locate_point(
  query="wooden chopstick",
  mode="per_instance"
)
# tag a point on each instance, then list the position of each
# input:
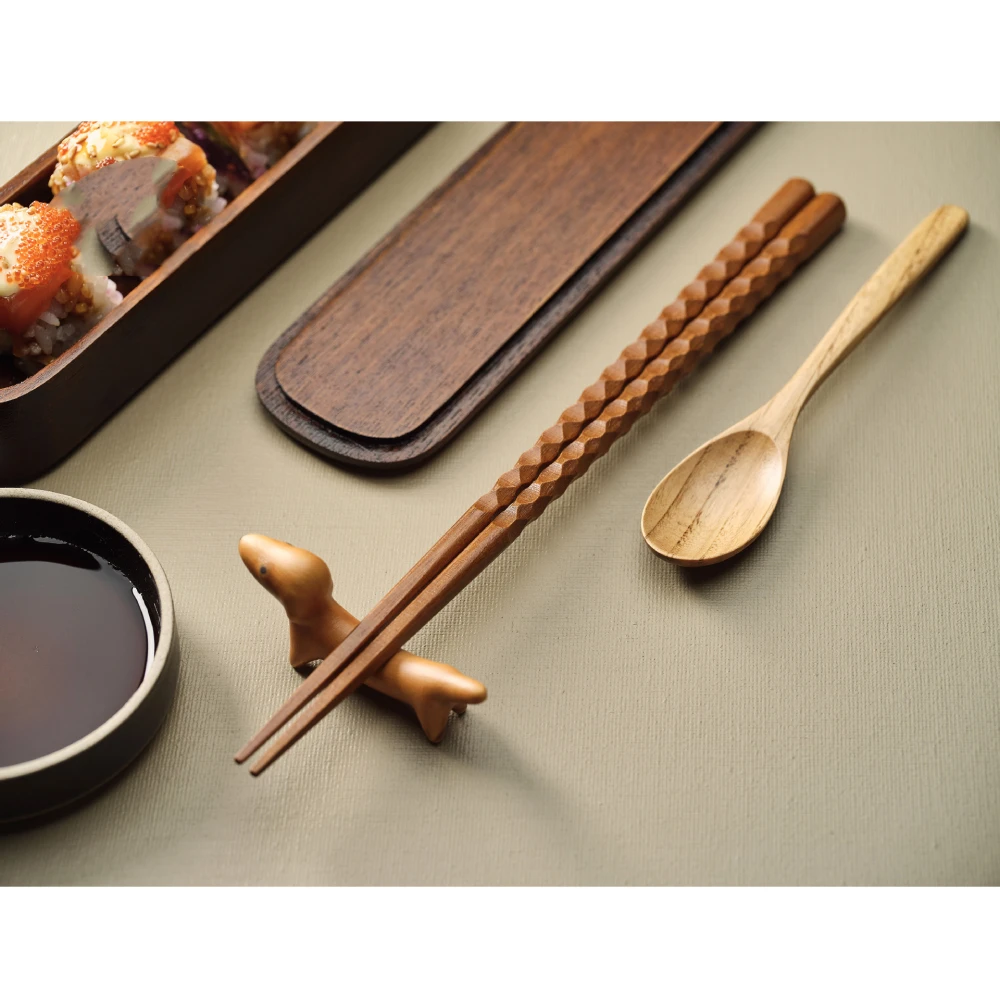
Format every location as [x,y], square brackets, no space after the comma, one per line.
[801,238]
[738,299]
[728,263]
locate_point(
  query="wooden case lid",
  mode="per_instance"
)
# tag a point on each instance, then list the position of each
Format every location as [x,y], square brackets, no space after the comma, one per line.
[389,345]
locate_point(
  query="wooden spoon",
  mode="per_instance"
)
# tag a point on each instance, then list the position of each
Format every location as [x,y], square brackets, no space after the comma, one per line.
[718,500]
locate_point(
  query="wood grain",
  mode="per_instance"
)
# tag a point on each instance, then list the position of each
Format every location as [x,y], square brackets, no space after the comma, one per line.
[47,415]
[728,262]
[715,502]
[801,238]
[471,265]
[457,331]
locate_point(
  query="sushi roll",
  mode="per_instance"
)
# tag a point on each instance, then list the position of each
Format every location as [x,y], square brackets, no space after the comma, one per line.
[261,144]
[47,301]
[242,151]
[188,201]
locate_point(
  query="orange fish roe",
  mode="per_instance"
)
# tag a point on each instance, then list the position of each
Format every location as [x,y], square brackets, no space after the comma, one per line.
[45,237]
[155,133]
[64,147]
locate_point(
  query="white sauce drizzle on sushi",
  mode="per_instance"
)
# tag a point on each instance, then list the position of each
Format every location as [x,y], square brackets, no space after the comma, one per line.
[8,258]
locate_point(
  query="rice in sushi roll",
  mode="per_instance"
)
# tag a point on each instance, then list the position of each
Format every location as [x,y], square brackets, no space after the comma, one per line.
[47,302]
[188,201]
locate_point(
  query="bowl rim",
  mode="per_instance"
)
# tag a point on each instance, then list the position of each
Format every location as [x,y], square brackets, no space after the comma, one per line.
[160,654]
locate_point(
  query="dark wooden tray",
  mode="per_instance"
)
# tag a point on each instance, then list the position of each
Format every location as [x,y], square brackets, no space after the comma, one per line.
[400,353]
[47,415]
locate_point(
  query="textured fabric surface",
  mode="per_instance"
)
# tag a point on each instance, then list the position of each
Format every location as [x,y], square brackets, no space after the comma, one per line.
[823,709]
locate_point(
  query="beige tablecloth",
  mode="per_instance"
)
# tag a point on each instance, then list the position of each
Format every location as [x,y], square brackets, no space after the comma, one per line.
[825,709]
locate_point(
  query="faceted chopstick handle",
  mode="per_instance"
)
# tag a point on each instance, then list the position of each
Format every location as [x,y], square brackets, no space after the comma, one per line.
[730,260]
[796,243]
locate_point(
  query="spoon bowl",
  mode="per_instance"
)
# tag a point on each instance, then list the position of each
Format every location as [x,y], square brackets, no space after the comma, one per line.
[717,501]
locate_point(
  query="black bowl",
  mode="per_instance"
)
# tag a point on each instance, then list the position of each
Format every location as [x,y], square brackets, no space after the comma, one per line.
[36,786]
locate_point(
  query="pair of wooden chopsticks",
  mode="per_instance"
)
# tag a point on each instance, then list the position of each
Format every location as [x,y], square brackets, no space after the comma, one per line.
[787,231]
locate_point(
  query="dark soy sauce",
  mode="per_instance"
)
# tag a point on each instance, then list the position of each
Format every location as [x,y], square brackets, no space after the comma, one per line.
[73,645]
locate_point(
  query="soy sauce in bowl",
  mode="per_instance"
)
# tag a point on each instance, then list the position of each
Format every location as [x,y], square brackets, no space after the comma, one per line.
[75,642]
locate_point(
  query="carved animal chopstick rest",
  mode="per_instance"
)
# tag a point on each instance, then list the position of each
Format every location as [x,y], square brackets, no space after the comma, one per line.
[318,624]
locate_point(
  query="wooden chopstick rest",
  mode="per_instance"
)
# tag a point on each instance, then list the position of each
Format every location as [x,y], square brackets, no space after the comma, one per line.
[301,581]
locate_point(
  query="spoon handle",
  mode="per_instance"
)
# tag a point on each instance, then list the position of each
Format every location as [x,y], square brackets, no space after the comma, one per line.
[904,267]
